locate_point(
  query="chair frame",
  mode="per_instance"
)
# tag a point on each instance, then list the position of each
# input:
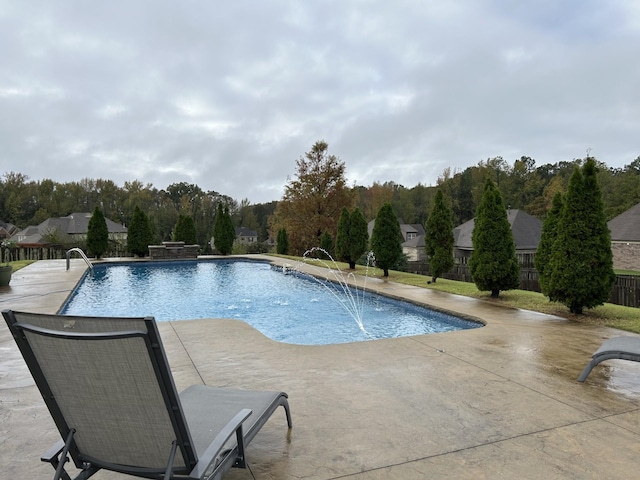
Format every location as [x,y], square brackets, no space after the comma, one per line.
[195,468]
[615,348]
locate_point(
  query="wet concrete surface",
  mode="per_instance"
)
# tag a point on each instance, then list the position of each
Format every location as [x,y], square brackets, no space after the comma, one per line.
[501,401]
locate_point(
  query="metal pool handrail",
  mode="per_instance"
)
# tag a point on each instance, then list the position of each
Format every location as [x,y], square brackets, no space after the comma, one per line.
[76,249]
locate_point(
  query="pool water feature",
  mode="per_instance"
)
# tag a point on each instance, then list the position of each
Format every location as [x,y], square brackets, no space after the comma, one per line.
[284,307]
[351,298]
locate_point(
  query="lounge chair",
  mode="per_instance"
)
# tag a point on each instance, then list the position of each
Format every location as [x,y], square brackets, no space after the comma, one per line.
[109,389]
[623,348]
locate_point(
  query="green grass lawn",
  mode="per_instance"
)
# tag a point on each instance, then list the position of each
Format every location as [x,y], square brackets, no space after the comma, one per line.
[610,315]
[628,272]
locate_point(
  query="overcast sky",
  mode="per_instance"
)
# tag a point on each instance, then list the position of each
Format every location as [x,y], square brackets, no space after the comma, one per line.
[228,95]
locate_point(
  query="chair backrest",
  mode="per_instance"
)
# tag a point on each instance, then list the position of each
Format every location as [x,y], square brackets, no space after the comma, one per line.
[109,379]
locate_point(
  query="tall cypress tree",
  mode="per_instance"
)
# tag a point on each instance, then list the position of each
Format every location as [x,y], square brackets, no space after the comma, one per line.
[282,242]
[229,230]
[581,262]
[97,233]
[547,239]
[493,264]
[358,237]
[386,239]
[218,226]
[326,245]
[185,230]
[139,235]
[439,238]
[224,233]
[352,236]
[342,235]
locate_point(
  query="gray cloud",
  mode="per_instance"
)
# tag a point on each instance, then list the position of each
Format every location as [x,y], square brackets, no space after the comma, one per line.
[230,96]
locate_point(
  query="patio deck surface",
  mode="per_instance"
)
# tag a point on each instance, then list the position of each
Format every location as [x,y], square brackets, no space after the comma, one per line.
[501,401]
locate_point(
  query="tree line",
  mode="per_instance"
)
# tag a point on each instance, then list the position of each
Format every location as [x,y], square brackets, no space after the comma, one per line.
[574,258]
[25,202]
[523,184]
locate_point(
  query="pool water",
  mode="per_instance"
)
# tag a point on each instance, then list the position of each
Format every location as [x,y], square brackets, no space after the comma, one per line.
[290,308]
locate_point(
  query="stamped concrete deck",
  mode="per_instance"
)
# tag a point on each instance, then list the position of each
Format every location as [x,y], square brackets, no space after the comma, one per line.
[500,401]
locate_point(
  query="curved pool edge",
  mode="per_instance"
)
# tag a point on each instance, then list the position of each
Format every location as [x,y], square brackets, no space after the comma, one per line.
[45,285]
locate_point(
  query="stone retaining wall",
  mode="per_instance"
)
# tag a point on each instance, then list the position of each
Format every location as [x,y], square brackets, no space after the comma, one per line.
[173,251]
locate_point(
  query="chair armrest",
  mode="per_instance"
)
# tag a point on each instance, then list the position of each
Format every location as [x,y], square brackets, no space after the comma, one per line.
[213,450]
[53,452]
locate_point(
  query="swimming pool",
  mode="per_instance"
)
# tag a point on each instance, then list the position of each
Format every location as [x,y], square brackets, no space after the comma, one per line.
[284,307]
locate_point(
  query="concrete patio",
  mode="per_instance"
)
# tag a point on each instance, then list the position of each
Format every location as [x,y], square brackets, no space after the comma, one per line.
[500,401]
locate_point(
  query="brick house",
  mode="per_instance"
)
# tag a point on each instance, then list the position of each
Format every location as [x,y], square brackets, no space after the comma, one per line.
[413,240]
[246,236]
[625,239]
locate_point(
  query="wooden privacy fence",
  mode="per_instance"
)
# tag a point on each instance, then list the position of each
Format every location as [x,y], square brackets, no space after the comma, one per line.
[625,291]
[461,273]
[51,252]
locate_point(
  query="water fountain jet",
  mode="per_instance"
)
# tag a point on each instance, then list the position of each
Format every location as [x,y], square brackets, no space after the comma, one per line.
[344,288]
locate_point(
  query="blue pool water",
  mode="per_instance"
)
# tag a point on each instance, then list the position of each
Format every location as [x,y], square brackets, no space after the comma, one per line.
[290,308]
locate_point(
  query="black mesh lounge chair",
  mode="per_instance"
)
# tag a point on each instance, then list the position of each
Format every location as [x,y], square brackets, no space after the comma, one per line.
[622,348]
[107,384]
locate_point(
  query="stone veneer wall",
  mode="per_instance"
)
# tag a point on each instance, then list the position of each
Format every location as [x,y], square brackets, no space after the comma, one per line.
[173,251]
[626,255]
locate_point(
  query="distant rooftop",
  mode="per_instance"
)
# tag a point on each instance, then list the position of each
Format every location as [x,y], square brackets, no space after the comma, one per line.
[526,231]
[626,226]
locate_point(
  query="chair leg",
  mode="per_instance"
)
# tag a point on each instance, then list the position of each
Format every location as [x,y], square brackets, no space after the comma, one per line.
[287,412]
[587,370]
[60,457]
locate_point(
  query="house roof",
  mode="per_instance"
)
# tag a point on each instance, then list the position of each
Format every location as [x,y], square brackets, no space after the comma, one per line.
[245,232]
[416,228]
[78,223]
[7,229]
[75,224]
[405,229]
[416,242]
[526,231]
[626,226]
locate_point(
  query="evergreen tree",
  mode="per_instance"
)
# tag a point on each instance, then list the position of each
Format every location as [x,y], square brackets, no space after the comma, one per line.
[185,230]
[439,238]
[177,229]
[386,239]
[229,230]
[493,264]
[224,233]
[342,235]
[547,239]
[139,235]
[358,237]
[282,242]
[581,263]
[97,234]
[218,224]
[352,237]
[326,244]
